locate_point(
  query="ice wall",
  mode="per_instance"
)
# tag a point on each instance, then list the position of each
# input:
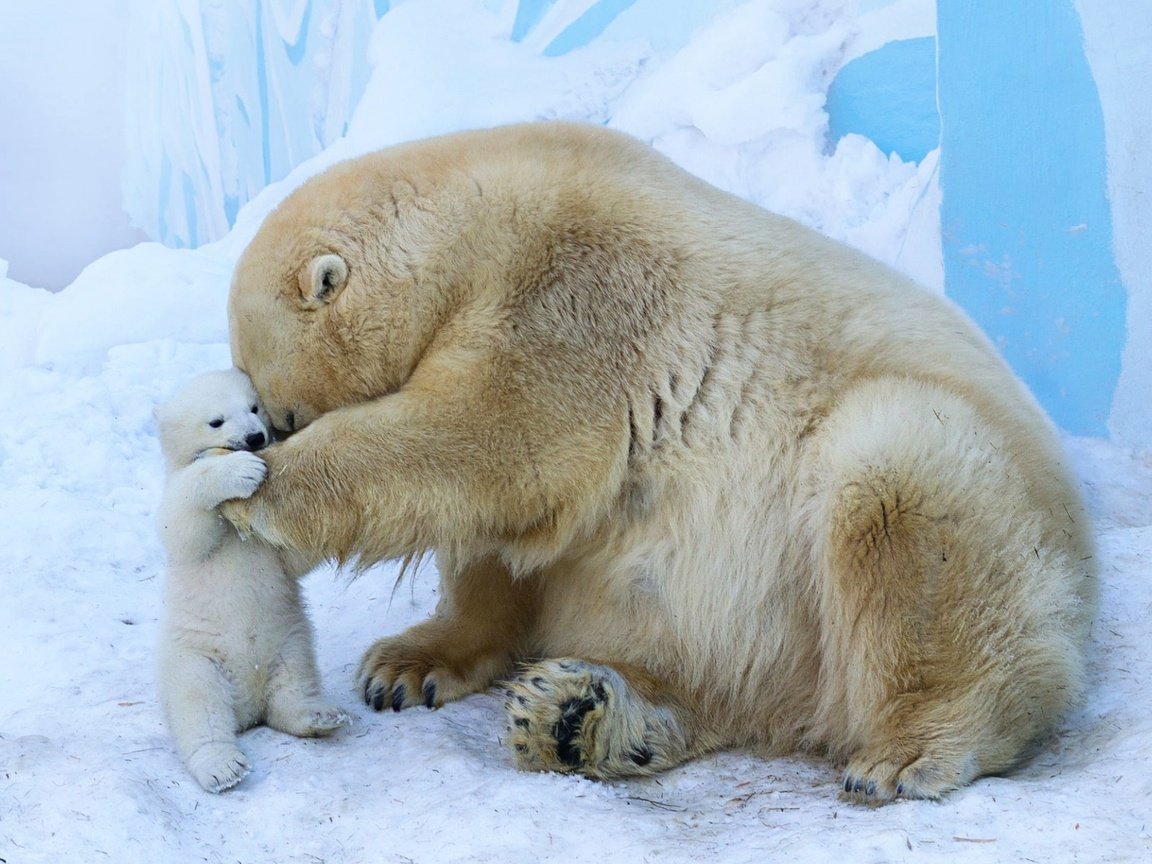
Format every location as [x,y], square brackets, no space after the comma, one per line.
[830,111]
[231,97]
[224,98]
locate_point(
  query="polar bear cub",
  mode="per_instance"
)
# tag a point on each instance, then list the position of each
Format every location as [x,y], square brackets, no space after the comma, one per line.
[236,648]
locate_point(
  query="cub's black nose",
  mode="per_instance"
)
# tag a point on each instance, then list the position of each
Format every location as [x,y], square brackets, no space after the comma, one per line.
[255,440]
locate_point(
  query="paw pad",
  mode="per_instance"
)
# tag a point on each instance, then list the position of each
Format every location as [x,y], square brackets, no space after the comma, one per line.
[571,716]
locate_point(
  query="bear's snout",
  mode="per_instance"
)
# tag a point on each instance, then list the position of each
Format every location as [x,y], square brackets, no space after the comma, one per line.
[255,440]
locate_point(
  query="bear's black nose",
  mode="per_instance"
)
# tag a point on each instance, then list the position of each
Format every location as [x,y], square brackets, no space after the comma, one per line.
[255,440]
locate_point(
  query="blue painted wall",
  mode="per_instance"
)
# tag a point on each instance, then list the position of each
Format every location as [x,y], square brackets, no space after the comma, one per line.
[1025,219]
[889,95]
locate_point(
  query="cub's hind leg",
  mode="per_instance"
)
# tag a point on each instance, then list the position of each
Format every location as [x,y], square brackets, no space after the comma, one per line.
[602,721]
[197,699]
[473,638]
[948,609]
[294,702]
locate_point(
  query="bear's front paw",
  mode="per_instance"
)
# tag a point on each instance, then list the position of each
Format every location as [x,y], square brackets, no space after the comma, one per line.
[417,668]
[218,765]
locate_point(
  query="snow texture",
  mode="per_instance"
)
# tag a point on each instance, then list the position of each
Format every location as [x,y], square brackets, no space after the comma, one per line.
[87,771]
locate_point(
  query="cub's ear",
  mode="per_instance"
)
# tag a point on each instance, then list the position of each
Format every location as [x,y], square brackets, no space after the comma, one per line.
[323,279]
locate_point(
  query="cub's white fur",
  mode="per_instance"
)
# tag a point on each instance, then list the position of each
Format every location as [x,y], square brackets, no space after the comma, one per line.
[236,648]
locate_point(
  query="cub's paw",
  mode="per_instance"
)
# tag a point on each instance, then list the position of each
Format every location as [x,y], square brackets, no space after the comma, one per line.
[218,765]
[572,716]
[907,768]
[406,670]
[246,471]
[315,720]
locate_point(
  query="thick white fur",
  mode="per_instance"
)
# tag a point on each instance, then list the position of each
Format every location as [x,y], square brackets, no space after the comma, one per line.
[237,645]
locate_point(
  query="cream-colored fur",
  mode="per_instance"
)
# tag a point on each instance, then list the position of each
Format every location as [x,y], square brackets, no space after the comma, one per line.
[718,480]
[236,648]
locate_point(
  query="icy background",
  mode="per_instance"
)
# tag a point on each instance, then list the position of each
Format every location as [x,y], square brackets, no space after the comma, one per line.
[86,769]
[209,128]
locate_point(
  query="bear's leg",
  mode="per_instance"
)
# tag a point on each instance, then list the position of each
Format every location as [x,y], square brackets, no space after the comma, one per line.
[294,703]
[570,715]
[474,637]
[938,665]
[201,718]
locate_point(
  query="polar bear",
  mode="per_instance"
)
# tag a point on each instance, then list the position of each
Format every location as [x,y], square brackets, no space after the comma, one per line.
[695,476]
[236,648]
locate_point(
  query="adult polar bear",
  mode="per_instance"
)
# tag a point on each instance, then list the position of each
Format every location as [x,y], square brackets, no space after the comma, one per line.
[720,480]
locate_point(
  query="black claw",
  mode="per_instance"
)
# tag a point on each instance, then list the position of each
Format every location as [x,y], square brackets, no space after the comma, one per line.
[870,789]
[899,788]
[858,785]
[522,722]
[538,682]
[642,756]
[374,696]
[429,694]
[398,694]
[848,781]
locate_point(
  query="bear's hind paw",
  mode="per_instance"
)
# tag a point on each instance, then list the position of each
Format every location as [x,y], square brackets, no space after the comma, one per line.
[571,716]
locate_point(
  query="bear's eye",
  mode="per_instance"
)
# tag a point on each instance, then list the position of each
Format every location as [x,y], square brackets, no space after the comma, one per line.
[217,423]
[255,409]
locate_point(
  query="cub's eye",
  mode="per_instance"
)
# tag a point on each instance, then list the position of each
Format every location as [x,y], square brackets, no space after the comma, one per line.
[255,409]
[217,423]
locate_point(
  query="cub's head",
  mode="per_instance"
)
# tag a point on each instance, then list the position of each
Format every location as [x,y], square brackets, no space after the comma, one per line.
[344,286]
[214,410]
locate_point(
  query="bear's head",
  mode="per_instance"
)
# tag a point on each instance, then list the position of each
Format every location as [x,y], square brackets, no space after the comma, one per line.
[215,410]
[346,283]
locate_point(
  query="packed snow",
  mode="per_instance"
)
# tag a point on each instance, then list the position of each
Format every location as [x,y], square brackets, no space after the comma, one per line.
[87,770]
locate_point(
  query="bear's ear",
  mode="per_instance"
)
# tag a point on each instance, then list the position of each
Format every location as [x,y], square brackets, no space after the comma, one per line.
[323,279]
